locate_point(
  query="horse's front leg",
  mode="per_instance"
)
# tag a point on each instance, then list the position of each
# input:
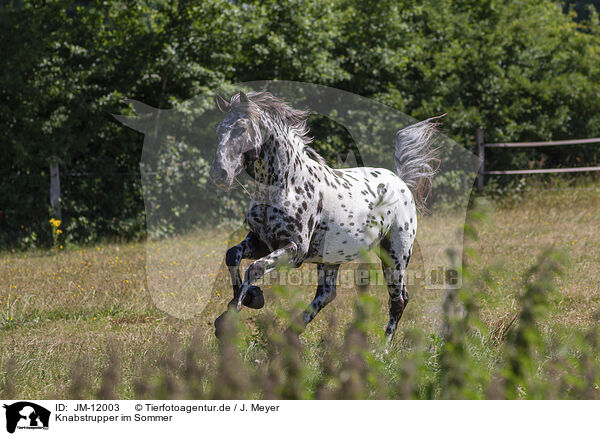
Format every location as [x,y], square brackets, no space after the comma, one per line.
[281,257]
[325,292]
[250,248]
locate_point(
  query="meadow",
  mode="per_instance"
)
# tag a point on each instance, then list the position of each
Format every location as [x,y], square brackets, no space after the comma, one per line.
[80,322]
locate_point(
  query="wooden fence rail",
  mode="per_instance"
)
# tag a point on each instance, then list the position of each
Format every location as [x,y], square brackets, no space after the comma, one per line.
[481,146]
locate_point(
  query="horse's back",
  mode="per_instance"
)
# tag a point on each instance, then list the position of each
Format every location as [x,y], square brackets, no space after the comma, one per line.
[361,207]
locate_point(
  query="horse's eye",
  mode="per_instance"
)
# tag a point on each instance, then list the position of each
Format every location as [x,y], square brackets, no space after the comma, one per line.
[237,131]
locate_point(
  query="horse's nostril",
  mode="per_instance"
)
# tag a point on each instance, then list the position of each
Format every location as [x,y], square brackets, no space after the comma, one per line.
[218,174]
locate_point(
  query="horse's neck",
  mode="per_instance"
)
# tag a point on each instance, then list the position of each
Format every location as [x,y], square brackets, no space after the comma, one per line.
[277,166]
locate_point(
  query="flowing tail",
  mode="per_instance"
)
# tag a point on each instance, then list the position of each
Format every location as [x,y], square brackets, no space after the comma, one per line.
[416,160]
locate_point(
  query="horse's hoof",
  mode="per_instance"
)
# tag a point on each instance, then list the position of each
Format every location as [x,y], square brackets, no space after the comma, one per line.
[254,298]
[220,325]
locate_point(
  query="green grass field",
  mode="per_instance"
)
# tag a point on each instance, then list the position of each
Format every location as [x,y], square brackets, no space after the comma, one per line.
[63,311]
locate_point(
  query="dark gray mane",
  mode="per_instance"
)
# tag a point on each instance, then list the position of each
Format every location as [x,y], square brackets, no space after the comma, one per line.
[280,112]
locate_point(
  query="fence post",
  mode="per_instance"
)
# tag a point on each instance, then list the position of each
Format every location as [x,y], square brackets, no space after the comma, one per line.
[481,154]
[55,191]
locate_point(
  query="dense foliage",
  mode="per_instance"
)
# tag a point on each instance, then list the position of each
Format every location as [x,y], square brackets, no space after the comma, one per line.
[525,70]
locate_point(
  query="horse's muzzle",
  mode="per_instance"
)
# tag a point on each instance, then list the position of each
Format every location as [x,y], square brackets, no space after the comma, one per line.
[220,177]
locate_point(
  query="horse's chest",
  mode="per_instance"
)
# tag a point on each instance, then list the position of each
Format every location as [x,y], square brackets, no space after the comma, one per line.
[277,225]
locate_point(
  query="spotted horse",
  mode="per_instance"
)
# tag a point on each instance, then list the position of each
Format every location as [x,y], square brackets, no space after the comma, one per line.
[304,211]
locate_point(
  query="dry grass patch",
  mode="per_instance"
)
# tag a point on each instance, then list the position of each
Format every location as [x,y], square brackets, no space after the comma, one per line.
[61,308]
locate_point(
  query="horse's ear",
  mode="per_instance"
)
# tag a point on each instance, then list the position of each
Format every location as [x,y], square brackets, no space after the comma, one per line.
[222,104]
[243,98]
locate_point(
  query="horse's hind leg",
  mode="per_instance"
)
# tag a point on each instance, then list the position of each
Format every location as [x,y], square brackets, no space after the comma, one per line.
[250,248]
[397,251]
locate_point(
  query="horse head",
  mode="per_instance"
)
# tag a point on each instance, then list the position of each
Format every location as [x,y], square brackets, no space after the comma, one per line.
[239,139]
